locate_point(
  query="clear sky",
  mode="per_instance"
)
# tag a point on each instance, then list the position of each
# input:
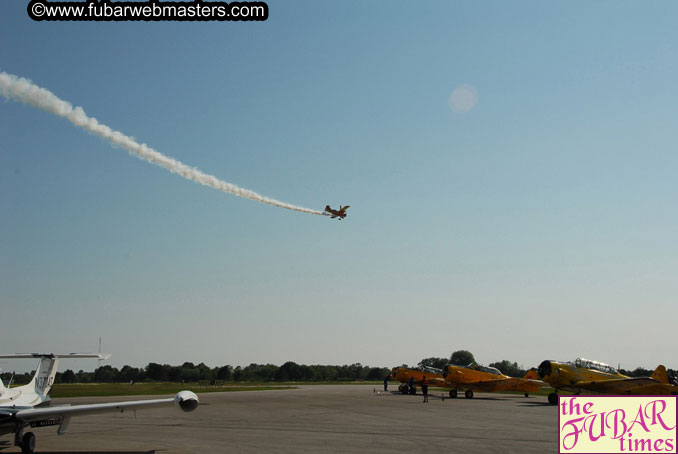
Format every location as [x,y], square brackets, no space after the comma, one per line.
[529,216]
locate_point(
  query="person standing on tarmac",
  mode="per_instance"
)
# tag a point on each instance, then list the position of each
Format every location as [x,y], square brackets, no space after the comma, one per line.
[424,388]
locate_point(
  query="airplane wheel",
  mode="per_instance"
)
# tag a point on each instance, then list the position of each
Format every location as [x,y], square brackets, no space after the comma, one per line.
[468,394]
[453,393]
[413,390]
[28,443]
[553,399]
[527,394]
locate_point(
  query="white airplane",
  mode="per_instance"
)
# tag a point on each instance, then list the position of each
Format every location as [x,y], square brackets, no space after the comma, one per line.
[28,405]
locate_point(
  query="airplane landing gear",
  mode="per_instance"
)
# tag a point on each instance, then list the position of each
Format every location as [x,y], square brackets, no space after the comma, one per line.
[407,389]
[453,393]
[553,399]
[527,394]
[28,443]
[468,394]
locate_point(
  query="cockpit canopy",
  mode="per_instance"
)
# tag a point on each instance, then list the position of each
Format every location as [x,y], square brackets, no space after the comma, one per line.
[486,369]
[431,370]
[595,365]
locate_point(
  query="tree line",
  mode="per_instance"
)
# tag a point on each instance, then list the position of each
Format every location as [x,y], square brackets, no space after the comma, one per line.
[189,372]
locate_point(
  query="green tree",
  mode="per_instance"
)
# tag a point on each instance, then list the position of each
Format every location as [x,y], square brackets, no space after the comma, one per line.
[288,371]
[377,373]
[323,373]
[225,373]
[509,368]
[204,372]
[438,363]
[356,371]
[638,372]
[260,372]
[106,374]
[157,372]
[462,358]
[174,373]
[129,373]
[188,374]
[84,377]
[68,376]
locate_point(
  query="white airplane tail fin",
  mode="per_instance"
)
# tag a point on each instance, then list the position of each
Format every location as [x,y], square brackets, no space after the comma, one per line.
[44,376]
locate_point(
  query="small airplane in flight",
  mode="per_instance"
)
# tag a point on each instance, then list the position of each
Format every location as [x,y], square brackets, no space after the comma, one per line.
[27,406]
[592,377]
[340,213]
[410,377]
[483,378]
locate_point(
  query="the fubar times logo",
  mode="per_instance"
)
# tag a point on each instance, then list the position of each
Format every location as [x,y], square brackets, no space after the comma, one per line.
[617,424]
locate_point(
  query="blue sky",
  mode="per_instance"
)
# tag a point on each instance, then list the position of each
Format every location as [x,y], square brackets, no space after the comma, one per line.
[539,224]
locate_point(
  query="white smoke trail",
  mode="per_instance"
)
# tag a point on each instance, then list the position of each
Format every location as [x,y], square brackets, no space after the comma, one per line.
[23,90]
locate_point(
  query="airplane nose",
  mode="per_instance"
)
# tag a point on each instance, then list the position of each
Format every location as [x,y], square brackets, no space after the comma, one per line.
[544,369]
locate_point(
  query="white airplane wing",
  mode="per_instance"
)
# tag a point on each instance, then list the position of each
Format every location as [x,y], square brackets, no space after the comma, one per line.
[61,414]
[102,356]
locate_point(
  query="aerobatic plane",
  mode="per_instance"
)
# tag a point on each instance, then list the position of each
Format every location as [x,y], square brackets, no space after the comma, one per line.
[27,406]
[340,213]
[489,379]
[592,377]
[409,378]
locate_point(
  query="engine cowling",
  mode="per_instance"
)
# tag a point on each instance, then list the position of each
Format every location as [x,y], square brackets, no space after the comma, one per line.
[186,401]
[544,369]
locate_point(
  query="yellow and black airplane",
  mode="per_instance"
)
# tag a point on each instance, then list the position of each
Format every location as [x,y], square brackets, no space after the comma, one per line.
[488,379]
[592,377]
[340,213]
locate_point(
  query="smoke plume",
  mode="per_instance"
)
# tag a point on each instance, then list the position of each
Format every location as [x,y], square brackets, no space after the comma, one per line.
[20,89]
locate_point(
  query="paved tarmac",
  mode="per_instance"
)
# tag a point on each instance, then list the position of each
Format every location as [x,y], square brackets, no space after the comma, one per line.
[322,418]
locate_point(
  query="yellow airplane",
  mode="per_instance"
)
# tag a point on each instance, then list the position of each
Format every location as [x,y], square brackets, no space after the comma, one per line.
[482,378]
[410,377]
[592,377]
